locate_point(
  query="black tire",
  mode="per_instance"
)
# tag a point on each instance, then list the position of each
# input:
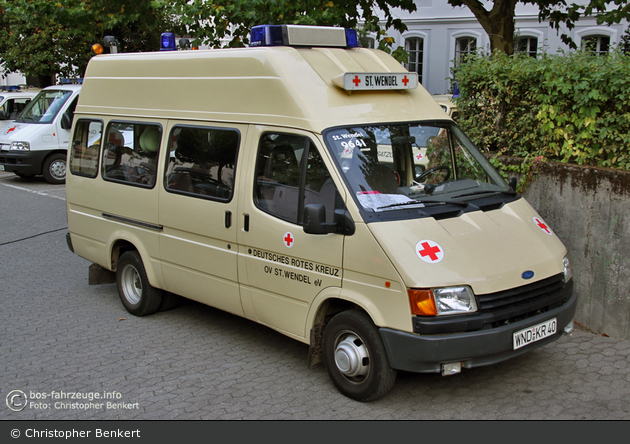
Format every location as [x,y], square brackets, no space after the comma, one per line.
[54,168]
[355,357]
[136,294]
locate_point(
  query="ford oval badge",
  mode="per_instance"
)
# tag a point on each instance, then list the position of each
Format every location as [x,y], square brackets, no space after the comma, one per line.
[527,274]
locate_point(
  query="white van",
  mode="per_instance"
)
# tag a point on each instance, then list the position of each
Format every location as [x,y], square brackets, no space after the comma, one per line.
[12,103]
[37,141]
[249,180]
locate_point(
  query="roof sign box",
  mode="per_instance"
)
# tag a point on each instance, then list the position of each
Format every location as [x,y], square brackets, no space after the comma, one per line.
[356,81]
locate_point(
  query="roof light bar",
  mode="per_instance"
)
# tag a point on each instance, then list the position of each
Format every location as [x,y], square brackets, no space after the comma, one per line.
[167,42]
[300,35]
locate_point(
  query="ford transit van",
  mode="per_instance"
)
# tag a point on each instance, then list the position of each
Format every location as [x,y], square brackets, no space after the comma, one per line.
[37,141]
[253,180]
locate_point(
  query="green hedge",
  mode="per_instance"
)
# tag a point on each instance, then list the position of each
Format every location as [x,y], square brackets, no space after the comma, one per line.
[568,107]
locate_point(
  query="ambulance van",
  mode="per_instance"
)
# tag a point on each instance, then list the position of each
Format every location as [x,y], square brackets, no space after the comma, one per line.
[12,103]
[37,141]
[249,180]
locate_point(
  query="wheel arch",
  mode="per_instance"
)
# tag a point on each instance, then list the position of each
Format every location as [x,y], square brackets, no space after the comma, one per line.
[121,242]
[327,307]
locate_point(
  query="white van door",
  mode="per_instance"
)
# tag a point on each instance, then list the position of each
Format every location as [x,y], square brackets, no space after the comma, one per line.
[63,134]
[197,211]
[284,268]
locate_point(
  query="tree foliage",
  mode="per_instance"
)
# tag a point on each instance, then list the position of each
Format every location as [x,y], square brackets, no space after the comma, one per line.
[497,17]
[48,37]
[570,108]
[227,22]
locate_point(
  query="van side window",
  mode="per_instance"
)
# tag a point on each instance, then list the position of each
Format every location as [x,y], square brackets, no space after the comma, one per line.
[201,162]
[279,170]
[130,153]
[86,145]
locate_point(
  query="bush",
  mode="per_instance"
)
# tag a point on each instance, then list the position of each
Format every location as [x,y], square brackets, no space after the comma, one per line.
[567,107]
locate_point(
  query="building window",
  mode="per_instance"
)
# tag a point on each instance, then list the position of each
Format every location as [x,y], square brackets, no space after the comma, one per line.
[597,44]
[527,45]
[367,42]
[464,46]
[415,48]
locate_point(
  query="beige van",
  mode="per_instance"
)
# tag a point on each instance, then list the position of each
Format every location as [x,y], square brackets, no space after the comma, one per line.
[250,180]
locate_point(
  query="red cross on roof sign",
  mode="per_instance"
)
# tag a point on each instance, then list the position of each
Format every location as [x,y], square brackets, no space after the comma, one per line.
[429,251]
[542,225]
[288,239]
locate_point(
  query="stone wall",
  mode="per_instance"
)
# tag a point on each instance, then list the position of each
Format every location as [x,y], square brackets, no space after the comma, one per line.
[589,209]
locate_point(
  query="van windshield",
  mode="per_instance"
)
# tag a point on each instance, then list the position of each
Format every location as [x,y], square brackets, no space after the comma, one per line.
[45,106]
[398,166]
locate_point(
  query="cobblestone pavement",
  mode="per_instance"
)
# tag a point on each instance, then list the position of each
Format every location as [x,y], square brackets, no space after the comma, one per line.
[60,335]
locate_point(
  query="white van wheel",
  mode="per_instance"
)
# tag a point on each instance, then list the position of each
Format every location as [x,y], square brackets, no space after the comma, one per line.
[54,168]
[355,357]
[136,294]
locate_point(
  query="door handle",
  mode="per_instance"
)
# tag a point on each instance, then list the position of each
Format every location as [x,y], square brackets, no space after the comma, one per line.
[228,219]
[246,222]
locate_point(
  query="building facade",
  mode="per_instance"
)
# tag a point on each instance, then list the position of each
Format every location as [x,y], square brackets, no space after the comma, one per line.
[439,35]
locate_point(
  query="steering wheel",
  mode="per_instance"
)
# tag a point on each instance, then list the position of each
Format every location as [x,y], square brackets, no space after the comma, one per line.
[433,170]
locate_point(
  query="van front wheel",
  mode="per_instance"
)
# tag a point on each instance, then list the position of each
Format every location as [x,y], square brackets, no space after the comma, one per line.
[136,294]
[355,357]
[54,169]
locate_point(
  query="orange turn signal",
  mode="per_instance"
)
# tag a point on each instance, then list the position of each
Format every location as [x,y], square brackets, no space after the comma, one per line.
[97,48]
[422,302]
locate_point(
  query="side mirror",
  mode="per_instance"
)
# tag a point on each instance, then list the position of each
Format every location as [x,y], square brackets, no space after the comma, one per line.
[66,121]
[315,221]
[513,183]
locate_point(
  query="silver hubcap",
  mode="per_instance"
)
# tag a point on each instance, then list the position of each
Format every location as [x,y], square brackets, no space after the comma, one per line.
[351,356]
[58,169]
[131,284]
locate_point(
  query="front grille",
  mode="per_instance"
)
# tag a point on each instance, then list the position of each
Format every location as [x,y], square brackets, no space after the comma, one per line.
[501,308]
[528,293]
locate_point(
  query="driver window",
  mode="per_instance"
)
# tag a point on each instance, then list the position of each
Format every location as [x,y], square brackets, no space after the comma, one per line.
[130,153]
[281,173]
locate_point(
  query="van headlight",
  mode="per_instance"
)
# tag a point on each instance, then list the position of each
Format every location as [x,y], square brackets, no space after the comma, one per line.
[442,301]
[20,146]
[568,268]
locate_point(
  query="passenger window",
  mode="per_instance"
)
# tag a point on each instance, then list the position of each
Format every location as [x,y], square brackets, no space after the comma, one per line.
[202,162]
[86,145]
[130,153]
[279,169]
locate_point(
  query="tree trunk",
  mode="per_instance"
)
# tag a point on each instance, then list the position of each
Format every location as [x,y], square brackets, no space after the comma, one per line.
[498,22]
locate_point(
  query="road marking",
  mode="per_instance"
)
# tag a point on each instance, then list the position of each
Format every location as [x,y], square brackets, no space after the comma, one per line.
[41,193]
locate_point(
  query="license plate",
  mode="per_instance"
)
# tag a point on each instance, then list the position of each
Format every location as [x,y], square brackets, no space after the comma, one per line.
[535,333]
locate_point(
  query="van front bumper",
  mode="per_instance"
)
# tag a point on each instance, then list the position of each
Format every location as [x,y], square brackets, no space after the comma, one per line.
[28,163]
[426,353]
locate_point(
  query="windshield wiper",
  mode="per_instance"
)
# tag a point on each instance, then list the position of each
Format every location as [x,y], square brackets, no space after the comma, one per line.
[402,204]
[508,192]
[446,202]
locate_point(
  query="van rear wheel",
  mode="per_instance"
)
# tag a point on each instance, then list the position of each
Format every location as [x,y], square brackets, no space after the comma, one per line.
[355,357]
[54,168]
[136,294]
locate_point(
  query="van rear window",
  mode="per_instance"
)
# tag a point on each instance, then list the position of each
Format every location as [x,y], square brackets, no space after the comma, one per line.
[202,162]
[86,145]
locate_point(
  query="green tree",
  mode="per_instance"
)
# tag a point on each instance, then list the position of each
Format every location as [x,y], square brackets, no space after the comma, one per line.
[227,22]
[43,38]
[497,17]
